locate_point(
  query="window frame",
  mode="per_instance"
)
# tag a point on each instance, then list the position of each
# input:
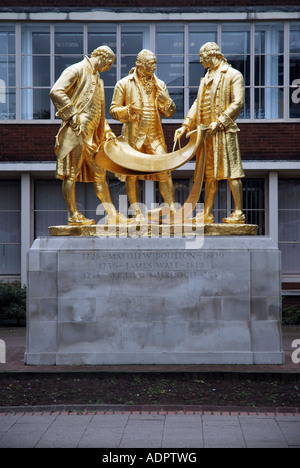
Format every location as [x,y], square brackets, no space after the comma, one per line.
[282,242]
[11,242]
[152,45]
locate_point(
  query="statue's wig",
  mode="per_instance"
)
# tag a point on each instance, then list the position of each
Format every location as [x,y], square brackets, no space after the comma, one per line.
[103,51]
[212,49]
[143,56]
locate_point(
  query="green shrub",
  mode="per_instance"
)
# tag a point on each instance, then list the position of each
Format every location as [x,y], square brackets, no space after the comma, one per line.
[291,315]
[12,302]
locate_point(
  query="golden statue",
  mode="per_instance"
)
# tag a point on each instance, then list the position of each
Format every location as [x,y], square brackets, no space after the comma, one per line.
[219,102]
[78,96]
[138,102]
[86,147]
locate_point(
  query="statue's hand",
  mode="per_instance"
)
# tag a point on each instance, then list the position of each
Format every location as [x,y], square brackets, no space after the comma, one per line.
[214,128]
[179,133]
[163,97]
[110,136]
[133,112]
[75,124]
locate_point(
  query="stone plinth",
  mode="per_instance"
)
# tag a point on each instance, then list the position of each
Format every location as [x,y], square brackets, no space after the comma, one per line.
[209,300]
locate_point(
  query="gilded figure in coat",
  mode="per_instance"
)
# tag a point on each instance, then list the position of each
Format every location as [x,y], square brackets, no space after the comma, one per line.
[219,102]
[139,101]
[78,96]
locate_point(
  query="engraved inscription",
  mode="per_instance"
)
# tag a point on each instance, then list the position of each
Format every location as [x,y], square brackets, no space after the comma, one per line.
[154,265]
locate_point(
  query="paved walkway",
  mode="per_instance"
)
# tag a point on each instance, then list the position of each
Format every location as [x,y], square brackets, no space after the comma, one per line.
[157,430]
[153,430]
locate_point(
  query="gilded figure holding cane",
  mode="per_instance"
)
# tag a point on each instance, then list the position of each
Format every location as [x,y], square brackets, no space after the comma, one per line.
[78,96]
[219,102]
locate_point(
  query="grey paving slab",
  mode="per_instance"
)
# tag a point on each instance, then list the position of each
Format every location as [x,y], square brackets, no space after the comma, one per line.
[290,428]
[65,431]
[148,417]
[182,432]
[104,431]
[143,432]
[101,437]
[25,432]
[106,420]
[182,436]
[262,432]
[189,420]
[165,430]
[222,433]
[7,422]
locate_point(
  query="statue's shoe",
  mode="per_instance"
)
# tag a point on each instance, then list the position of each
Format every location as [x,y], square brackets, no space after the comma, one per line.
[138,219]
[202,218]
[117,219]
[80,220]
[235,219]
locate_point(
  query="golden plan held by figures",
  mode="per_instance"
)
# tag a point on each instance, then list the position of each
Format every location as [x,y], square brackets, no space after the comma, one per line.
[119,156]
